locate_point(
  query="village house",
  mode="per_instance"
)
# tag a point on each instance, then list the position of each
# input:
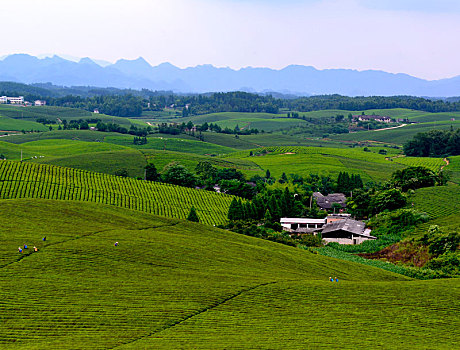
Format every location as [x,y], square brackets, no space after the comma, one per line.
[326,202]
[302,225]
[346,231]
[334,228]
[40,103]
[377,118]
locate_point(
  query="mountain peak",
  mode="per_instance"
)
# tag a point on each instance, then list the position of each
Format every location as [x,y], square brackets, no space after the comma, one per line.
[86,60]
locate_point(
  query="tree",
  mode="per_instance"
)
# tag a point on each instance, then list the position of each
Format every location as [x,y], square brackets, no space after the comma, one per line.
[267,174]
[151,173]
[177,174]
[235,210]
[387,200]
[413,177]
[205,170]
[193,216]
[123,172]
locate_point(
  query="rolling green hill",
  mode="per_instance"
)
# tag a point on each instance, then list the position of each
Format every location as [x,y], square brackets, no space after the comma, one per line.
[171,284]
[330,161]
[10,124]
[29,180]
[398,135]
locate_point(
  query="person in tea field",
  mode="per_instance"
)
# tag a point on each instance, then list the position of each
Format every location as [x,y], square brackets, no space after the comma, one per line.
[20,250]
[35,249]
[336,279]
[116,244]
[331,279]
[25,246]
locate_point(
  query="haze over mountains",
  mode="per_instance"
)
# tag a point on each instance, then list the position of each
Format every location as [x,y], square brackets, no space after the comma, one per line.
[294,79]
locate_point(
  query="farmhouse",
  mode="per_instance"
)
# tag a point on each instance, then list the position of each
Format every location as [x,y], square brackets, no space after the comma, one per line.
[302,225]
[40,103]
[346,231]
[377,118]
[326,202]
[334,228]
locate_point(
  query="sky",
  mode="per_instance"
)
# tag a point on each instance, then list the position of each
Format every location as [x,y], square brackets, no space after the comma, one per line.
[417,37]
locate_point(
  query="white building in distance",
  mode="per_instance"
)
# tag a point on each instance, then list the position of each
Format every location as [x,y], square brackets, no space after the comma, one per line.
[13,100]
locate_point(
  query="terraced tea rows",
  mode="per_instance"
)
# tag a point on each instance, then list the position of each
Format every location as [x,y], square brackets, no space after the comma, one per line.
[438,201]
[433,164]
[173,284]
[27,180]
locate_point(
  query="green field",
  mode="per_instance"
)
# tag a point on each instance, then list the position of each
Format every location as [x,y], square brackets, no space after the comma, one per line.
[397,136]
[30,180]
[172,284]
[454,169]
[163,158]
[32,113]
[10,124]
[330,161]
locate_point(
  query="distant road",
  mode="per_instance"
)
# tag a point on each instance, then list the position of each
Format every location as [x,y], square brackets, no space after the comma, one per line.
[393,127]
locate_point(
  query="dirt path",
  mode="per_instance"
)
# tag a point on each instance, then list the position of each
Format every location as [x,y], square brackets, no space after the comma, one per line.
[447,163]
[393,127]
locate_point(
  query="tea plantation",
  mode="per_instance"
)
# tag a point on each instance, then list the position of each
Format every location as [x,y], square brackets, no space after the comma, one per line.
[171,284]
[29,180]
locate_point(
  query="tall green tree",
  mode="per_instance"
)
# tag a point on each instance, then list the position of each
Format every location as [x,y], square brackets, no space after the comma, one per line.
[192,215]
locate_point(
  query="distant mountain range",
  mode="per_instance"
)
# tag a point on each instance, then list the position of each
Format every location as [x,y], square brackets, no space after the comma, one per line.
[294,79]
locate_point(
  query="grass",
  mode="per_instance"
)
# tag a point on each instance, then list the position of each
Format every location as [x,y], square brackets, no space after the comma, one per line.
[81,135]
[30,180]
[170,144]
[454,169]
[172,284]
[321,160]
[162,158]
[397,136]
[107,162]
[33,113]
[54,148]
[9,124]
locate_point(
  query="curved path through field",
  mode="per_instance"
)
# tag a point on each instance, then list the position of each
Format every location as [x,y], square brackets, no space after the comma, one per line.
[447,163]
[392,127]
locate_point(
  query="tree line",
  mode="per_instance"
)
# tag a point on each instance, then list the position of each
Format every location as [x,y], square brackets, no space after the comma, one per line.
[434,143]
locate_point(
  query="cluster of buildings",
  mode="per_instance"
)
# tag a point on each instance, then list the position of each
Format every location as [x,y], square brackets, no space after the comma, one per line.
[377,118]
[336,227]
[19,100]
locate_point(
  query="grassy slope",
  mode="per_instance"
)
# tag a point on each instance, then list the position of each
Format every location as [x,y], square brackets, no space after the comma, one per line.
[162,158]
[442,204]
[9,124]
[331,161]
[32,113]
[399,135]
[29,180]
[454,169]
[172,284]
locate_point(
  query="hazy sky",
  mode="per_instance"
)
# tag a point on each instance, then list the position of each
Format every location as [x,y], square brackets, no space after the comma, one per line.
[418,37]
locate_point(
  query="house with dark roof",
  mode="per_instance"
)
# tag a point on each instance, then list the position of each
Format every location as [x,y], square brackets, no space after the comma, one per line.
[326,202]
[346,231]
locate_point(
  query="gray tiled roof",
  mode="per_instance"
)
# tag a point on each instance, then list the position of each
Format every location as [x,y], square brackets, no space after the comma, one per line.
[327,201]
[349,225]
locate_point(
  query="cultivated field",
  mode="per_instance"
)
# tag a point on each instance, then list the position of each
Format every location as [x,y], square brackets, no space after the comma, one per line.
[29,180]
[172,284]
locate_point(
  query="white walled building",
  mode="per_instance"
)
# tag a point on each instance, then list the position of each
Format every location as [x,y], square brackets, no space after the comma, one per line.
[13,100]
[40,103]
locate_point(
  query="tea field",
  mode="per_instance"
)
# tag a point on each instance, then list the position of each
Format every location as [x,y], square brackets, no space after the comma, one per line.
[30,180]
[170,284]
